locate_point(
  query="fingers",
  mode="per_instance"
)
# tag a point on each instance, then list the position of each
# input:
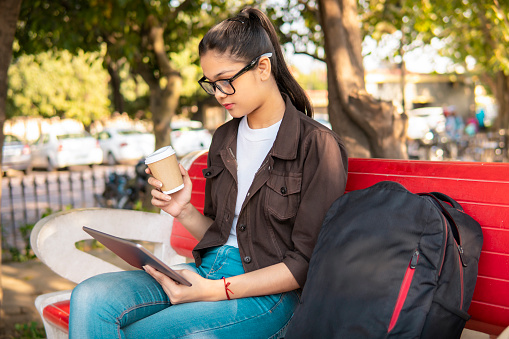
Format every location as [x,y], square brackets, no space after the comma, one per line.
[185,176]
[154,182]
[159,198]
[183,170]
[158,276]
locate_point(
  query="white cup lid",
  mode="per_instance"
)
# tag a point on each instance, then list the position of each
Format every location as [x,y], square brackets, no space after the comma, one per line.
[160,154]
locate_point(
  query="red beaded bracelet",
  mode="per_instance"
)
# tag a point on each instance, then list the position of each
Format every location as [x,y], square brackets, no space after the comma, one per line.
[226,289]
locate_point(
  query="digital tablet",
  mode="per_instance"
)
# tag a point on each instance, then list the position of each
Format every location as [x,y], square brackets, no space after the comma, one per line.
[134,254]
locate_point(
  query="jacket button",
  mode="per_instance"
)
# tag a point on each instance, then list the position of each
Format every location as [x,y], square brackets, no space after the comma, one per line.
[208,174]
[247,259]
[283,190]
[242,228]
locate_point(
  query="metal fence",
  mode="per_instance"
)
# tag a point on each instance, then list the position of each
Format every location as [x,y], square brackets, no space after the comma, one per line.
[25,199]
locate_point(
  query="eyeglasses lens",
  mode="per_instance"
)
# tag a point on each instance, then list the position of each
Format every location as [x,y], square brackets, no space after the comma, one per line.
[209,88]
[223,85]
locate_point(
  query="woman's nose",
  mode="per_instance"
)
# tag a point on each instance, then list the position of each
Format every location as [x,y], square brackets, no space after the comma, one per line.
[218,94]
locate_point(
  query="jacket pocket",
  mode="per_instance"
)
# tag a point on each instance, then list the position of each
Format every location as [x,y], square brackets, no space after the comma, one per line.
[217,188]
[283,195]
[211,172]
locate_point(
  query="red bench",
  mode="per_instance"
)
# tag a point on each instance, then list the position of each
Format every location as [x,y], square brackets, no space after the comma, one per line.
[481,188]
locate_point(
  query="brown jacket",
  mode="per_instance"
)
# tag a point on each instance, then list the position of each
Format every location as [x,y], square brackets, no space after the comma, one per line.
[304,172]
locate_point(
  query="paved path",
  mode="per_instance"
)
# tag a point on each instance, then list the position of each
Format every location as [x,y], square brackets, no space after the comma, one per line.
[23,282]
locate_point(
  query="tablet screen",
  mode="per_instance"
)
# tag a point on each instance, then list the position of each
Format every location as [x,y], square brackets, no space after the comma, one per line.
[134,254]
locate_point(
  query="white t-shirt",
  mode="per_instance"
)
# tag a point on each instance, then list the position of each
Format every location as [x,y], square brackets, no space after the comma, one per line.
[253,145]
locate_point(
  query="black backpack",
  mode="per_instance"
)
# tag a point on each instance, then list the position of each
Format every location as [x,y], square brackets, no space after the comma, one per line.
[390,264]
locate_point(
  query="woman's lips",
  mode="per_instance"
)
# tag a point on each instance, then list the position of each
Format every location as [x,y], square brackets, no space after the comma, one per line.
[228,106]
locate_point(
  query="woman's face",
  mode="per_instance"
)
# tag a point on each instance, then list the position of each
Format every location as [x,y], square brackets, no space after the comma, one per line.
[248,90]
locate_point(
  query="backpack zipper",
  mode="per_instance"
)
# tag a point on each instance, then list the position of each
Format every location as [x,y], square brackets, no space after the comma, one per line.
[444,247]
[461,265]
[403,291]
[461,259]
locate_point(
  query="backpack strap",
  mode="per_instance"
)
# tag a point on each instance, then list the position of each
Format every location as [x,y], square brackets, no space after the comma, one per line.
[447,199]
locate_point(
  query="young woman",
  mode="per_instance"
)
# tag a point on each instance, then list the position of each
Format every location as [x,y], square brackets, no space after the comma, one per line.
[272,174]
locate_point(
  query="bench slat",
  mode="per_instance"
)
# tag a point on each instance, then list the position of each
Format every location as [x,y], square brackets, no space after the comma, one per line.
[465,170]
[494,265]
[496,240]
[488,215]
[492,291]
[488,313]
[468,191]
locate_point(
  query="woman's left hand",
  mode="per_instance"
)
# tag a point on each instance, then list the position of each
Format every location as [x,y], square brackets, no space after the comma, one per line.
[201,290]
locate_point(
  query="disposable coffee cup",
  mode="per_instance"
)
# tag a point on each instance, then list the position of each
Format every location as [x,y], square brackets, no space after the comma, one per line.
[164,167]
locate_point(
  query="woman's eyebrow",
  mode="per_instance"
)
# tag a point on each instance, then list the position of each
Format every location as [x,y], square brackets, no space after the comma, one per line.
[218,75]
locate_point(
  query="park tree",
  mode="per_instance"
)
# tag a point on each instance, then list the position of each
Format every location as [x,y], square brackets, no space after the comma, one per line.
[477,31]
[59,84]
[9,10]
[369,127]
[145,35]
[474,35]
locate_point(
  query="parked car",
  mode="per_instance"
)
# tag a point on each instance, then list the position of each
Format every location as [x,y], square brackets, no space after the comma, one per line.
[59,150]
[426,133]
[422,120]
[16,155]
[125,145]
[188,136]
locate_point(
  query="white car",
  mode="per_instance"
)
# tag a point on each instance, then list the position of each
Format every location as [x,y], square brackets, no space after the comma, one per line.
[61,149]
[16,154]
[125,145]
[422,120]
[188,136]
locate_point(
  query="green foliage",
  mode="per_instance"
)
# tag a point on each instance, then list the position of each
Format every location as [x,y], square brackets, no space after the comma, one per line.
[31,330]
[89,244]
[58,84]
[123,30]
[467,29]
[27,254]
[123,25]
[315,80]
[299,25]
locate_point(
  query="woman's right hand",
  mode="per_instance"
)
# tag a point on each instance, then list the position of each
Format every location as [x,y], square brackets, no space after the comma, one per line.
[173,203]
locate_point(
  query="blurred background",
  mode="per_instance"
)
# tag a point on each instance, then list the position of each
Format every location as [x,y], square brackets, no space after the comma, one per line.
[89,88]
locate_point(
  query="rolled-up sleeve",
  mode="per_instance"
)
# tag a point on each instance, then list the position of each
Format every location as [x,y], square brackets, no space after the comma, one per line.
[324,178]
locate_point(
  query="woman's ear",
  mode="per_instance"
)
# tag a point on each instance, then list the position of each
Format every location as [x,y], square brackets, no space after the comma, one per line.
[264,68]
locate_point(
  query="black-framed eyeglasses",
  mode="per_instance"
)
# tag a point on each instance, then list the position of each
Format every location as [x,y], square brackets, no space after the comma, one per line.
[225,85]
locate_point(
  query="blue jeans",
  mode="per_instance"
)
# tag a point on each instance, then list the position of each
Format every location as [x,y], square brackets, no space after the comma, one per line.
[132,304]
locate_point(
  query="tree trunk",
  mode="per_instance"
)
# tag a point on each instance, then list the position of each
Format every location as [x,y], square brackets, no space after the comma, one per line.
[115,81]
[501,91]
[165,87]
[163,104]
[9,11]
[369,128]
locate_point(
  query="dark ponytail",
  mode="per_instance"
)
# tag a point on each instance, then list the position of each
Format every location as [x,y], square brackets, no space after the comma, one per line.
[248,35]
